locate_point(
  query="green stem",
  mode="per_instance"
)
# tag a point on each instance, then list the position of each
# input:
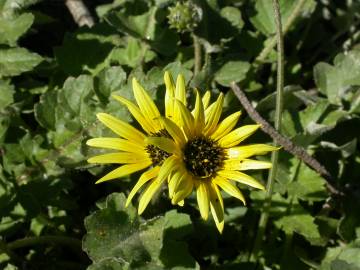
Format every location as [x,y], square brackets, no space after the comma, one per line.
[278,115]
[270,45]
[38,240]
[197,54]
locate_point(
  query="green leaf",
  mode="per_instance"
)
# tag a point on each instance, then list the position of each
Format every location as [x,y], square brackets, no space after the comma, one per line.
[46,108]
[16,61]
[132,55]
[233,15]
[75,95]
[264,19]
[307,184]
[115,233]
[13,28]
[232,71]
[7,92]
[344,257]
[334,80]
[301,223]
[109,80]
[81,52]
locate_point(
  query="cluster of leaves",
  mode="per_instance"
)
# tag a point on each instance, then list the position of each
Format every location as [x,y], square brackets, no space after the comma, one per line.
[55,76]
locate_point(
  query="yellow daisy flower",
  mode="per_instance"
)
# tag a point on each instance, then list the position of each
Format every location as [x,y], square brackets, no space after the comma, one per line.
[206,155]
[132,149]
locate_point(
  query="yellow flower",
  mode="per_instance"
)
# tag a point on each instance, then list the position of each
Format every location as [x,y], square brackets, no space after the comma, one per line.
[205,155]
[132,150]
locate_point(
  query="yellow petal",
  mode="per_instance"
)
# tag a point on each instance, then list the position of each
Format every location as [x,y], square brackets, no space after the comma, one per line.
[174,130]
[203,199]
[187,120]
[124,170]
[229,188]
[199,114]
[116,144]
[163,143]
[214,115]
[180,93]
[137,114]
[183,189]
[217,207]
[168,166]
[121,128]
[174,182]
[225,126]
[206,99]
[246,164]
[145,177]
[241,178]
[246,151]
[170,94]
[146,104]
[238,135]
[122,157]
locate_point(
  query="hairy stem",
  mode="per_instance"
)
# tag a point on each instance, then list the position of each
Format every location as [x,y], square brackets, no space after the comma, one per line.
[278,114]
[270,45]
[197,54]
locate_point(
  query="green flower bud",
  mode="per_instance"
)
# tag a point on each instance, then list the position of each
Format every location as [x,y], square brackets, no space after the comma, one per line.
[184,17]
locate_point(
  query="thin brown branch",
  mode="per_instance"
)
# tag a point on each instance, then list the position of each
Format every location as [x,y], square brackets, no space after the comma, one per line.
[80,12]
[286,143]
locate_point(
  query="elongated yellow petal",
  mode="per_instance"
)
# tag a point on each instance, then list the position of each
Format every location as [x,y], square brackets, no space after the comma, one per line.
[168,166]
[225,126]
[187,120]
[145,177]
[116,144]
[214,115]
[203,199]
[183,189]
[229,188]
[137,114]
[124,170]
[170,95]
[163,143]
[122,157]
[146,104]
[174,182]
[217,207]
[180,93]
[246,151]
[238,135]
[246,164]
[206,99]
[199,115]
[121,128]
[174,130]
[241,178]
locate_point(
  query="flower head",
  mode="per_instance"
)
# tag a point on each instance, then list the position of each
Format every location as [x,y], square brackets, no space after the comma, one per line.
[131,148]
[206,155]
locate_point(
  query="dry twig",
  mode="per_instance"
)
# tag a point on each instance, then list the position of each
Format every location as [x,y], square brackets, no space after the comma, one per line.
[286,143]
[80,12]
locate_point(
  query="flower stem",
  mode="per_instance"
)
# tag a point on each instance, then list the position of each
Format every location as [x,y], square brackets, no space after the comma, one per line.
[272,41]
[278,114]
[197,54]
[50,239]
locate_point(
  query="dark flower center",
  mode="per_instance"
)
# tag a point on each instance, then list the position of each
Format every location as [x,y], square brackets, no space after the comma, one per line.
[203,156]
[157,155]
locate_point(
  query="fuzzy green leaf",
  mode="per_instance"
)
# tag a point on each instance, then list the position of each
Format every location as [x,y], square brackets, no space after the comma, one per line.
[16,61]
[13,28]
[115,234]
